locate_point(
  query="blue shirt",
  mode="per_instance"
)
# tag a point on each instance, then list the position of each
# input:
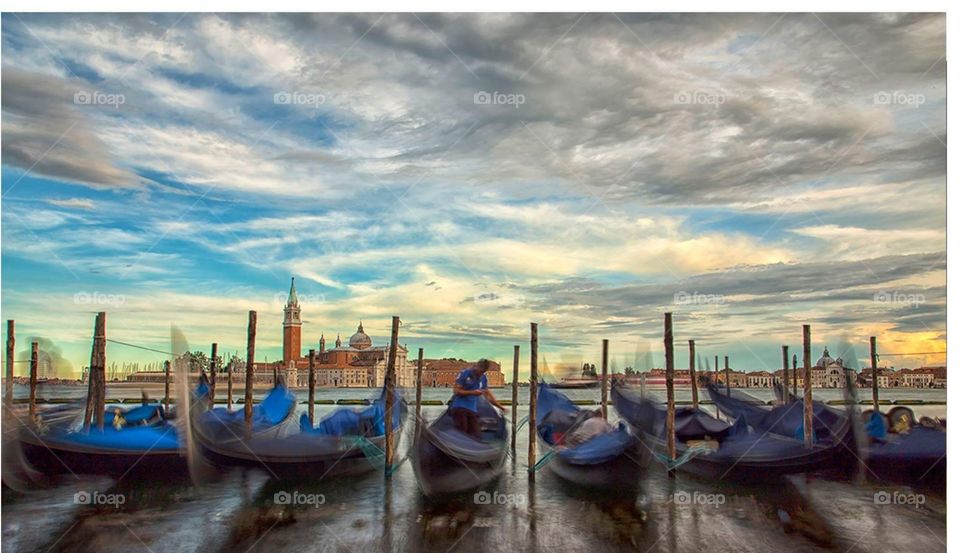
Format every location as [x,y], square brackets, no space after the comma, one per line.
[468,380]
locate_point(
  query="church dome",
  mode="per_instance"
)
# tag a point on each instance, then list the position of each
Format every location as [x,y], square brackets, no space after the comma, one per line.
[360,340]
[826,360]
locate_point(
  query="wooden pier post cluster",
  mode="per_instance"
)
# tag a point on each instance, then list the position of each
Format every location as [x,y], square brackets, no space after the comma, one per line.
[671,404]
[96,392]
[532,419]
[515,398]
[807,391]
[390,385]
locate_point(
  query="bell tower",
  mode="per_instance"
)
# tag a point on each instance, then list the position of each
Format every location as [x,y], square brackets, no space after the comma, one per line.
[291,327]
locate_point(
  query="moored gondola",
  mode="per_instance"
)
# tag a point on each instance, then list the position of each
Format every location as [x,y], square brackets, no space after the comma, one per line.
[915,454]
[347,441]
[447,461]
[611,460]
[713,449]
[138,439]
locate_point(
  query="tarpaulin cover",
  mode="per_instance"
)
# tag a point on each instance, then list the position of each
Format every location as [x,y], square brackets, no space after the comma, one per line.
[137,416]
[919,443]
[368,421]
[274,409]
[599,449]
[157,439]
[785,420]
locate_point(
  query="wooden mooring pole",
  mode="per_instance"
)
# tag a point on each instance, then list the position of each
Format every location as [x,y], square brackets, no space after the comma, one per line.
[716,378]
[875,372]
[726,372]
[786,373]
[807,391]
[795,375]
[248,382]
[604,377]
[391,382]
[695,394]
[8,370]
[515,399]
[311,384]
[34,362]
[166,386]
[230,385]
[671,404]
[532,419]
[419,392]
[97,374]
[213,373]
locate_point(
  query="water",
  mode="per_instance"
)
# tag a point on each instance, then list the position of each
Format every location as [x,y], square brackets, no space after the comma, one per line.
[237,513]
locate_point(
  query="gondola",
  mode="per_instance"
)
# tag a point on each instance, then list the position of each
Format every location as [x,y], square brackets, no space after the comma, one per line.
[447,461]
[917,455]
[713,449]
[611,462]
[347,441]
[143,440]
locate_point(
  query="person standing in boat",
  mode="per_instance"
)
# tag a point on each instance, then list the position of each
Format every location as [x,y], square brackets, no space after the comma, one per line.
[470,384]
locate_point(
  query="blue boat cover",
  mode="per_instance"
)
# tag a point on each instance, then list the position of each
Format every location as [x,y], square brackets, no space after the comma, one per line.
[599,449]
[137,416]
[158,439]
[785,420]
[875,428]
[368,421]
[271,411]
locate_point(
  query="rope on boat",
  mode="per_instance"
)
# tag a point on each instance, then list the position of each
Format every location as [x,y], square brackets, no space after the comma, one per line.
[522,422]
[547,457]
[690,453]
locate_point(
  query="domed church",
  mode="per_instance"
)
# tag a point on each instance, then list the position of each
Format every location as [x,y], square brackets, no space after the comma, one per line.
[359,364]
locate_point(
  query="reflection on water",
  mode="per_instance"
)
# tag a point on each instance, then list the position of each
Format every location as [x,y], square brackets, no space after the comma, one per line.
[244,510]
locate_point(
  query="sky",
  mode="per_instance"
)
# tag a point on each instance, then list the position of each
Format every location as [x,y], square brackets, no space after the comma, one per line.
[473,173]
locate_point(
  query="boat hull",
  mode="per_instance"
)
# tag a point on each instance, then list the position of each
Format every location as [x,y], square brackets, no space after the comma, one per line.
[619,475]
[51,456]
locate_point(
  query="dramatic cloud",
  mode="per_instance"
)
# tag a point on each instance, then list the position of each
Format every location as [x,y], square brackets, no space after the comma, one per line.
[474,172]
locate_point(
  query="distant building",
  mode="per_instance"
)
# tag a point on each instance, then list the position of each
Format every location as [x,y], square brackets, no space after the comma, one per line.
[442,373]
[359,364]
